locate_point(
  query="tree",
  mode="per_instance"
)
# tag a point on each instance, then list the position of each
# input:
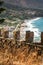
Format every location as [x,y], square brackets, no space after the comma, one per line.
[1,10]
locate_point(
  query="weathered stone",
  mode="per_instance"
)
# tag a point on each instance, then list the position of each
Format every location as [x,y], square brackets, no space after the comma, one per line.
[29,36]
[0,32]
[5,33]
[19,42]
[16,35]
[41,37]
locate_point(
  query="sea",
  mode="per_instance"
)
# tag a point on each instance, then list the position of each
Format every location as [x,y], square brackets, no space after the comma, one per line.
[35,25]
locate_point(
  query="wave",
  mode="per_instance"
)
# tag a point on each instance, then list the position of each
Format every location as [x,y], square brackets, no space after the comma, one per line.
[31,27]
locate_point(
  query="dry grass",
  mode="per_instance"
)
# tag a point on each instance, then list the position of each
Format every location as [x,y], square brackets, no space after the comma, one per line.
[13,54]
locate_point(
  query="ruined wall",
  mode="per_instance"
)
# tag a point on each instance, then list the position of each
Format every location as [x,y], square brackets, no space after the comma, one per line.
[4,36]
[29,37]
[18,52]
[42,37]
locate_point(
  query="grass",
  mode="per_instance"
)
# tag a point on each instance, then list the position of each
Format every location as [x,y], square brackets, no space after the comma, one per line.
[14,54]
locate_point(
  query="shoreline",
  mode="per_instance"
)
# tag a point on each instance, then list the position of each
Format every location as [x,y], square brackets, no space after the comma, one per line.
[28,25]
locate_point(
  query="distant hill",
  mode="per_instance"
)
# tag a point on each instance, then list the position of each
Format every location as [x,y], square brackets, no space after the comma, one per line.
[22,9]
[25,3]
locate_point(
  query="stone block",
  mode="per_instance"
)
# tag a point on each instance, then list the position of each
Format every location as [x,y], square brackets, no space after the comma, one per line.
[16,35]
[0,32]
[41,37]
[5,33]
[29,36]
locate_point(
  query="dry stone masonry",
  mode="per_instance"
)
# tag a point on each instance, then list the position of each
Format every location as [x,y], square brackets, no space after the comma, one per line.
[41,37]
[29,36]
[4,36]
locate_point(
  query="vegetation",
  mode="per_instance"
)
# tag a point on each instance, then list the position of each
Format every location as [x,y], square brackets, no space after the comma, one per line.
[14,12]
[19,54]
[1,10]
[1,20]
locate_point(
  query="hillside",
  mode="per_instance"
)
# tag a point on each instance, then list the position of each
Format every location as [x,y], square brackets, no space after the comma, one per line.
[15,9]
[26,3]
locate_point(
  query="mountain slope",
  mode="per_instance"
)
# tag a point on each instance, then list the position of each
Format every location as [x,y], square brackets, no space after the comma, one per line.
[26,3]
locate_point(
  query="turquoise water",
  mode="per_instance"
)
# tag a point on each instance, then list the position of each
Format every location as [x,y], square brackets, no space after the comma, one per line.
[35,25]
[38,24]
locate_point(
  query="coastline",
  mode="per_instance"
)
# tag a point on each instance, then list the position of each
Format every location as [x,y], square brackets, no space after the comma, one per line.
[28,25]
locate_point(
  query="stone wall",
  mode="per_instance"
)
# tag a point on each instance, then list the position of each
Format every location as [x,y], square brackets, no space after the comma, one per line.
[29,37]
[4,36]
[41,37]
